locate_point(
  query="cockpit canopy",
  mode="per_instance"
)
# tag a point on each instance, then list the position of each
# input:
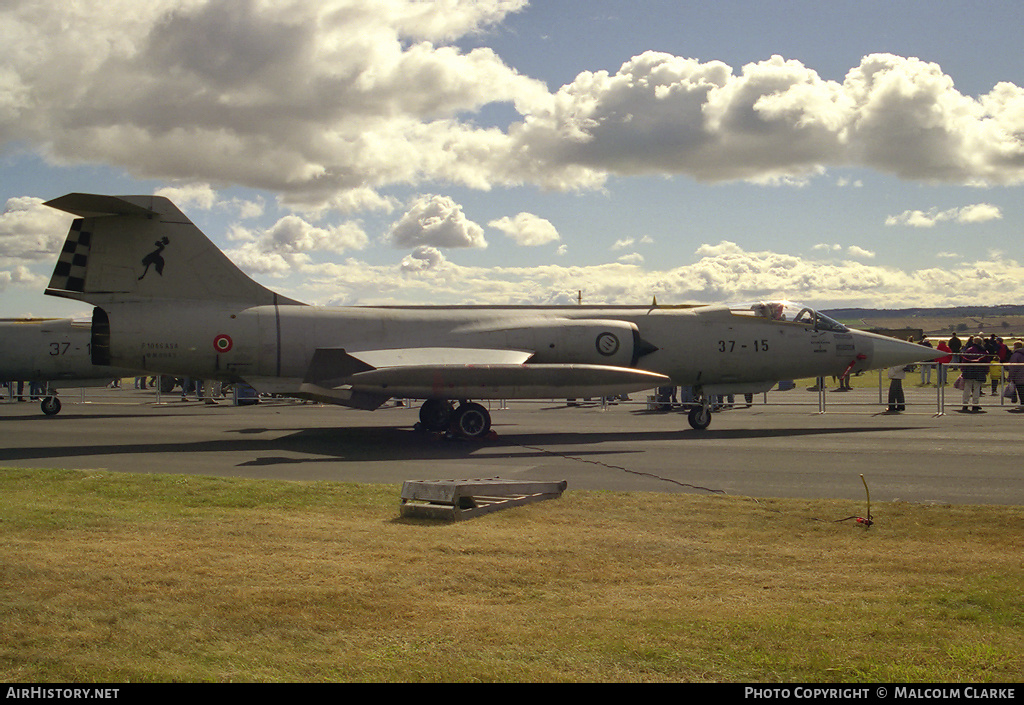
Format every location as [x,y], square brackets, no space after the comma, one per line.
[789,312]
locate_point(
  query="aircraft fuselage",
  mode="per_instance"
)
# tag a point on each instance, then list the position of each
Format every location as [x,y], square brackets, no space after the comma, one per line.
[699,346]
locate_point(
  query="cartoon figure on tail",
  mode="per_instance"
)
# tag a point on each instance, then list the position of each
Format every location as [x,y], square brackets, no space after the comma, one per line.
[154,258]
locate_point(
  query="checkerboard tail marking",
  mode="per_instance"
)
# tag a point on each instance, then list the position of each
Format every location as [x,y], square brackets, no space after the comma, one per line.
[69,273]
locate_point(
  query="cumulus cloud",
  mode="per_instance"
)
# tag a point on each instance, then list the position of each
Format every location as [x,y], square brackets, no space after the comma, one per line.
[723,272]
[287,245]
[30,231]
[318,101]
[776,121]
[247,209]
[625,242]
[527,229]
[31,235]
[436,221]
[202,196]
[292,234]
[22,276]
[852,250]
[855,251]
[977,213]
[422,259]
[327,103]
[722,249]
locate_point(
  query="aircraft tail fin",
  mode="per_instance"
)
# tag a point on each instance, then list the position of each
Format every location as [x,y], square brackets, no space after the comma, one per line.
[142,247]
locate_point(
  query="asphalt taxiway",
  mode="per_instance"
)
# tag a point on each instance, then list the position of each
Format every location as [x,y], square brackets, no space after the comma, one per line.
[761,451]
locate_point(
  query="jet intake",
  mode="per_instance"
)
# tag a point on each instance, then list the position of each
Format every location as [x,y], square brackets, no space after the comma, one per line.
[99,346]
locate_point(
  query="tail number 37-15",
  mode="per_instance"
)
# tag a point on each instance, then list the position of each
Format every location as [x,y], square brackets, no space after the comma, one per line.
[728,346]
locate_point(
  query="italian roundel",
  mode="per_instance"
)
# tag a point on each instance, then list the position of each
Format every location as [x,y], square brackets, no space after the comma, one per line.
[222,343]
[607,344]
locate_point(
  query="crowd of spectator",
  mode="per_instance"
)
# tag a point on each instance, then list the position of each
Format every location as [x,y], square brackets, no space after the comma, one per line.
[979,360]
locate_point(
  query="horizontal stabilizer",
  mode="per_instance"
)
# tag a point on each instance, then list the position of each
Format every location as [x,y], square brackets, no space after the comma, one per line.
[330,366]
[90,205]
[291,387]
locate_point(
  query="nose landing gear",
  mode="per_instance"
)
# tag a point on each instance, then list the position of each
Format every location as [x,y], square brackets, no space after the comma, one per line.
[50,405]
[700,416]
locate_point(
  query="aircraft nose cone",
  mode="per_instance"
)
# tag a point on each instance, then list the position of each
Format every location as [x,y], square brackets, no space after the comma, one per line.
[889,352]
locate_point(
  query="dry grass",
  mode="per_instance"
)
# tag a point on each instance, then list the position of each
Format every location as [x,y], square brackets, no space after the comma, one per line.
[120,578]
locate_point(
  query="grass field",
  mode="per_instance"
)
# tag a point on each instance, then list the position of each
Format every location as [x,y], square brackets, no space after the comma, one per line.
[139,578]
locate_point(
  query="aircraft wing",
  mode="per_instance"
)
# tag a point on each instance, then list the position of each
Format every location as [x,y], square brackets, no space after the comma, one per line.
[367,378]
[401,357]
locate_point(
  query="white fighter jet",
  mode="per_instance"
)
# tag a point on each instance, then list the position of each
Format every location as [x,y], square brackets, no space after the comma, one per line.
[168,301]
[51,352]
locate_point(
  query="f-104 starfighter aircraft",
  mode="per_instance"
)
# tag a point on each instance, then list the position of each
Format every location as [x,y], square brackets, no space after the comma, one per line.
[167,300]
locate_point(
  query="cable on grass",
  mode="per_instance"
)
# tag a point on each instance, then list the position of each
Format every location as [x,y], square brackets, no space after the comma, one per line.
[865,521]
[620,468]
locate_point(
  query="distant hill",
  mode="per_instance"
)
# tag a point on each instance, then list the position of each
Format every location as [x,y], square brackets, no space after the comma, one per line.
[951,312]
[1005,320]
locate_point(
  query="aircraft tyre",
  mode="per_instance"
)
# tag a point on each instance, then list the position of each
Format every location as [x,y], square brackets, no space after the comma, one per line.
[471,421]
[436,414]
[50,406]
[700,417]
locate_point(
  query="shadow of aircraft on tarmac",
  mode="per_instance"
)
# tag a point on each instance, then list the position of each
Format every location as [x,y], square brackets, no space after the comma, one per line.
[261,446]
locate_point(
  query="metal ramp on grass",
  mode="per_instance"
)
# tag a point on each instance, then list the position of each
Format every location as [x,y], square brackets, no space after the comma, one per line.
[453,500]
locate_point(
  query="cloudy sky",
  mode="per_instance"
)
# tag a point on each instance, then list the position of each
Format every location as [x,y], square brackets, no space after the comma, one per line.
[498,151]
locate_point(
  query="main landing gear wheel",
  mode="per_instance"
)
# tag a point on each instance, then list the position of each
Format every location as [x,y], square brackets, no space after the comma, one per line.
[700,417]
[436,414]
[50,406]
[471,421]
